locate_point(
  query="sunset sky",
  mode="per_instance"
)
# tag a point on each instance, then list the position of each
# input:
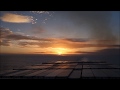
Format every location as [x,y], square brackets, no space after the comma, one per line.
[58,32]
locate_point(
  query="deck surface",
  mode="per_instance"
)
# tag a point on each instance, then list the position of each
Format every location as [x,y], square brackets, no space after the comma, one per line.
[65,69]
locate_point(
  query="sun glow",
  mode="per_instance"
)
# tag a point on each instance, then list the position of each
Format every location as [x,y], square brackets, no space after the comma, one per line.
[60,51]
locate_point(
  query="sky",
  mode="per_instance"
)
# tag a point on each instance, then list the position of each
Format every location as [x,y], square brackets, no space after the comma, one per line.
[58,32]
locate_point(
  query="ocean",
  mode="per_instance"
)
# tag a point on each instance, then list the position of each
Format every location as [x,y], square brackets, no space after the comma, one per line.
[13,61]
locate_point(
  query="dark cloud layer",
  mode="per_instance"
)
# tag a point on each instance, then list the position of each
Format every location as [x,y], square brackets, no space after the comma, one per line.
[76,39]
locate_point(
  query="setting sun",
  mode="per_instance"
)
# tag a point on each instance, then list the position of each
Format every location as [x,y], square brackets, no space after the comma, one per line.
[60,51]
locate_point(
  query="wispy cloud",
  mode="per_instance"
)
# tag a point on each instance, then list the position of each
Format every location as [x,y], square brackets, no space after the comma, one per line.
[76,39]
[82,52]
[39,12]
[4,32]
[14,18]
[8,34]
[40,52]
[5,42]
[7,37]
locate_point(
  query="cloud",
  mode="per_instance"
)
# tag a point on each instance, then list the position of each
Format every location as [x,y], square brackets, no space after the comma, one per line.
[4,32]
[105,41]
[40,52]
[18,37]
[103,52]
[83,52]
[8,34]
[37,44]
[56,43]
[39,12]
[5,42]
[7,37]
[76,39]
[14,18]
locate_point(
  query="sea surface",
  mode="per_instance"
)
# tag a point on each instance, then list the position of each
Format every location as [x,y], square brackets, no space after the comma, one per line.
[12,61]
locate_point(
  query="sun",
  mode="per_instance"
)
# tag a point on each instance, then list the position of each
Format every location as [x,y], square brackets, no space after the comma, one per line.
[60,51]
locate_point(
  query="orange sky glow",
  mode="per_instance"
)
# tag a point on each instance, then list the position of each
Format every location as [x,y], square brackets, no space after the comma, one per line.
[53,46]
[58,32]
